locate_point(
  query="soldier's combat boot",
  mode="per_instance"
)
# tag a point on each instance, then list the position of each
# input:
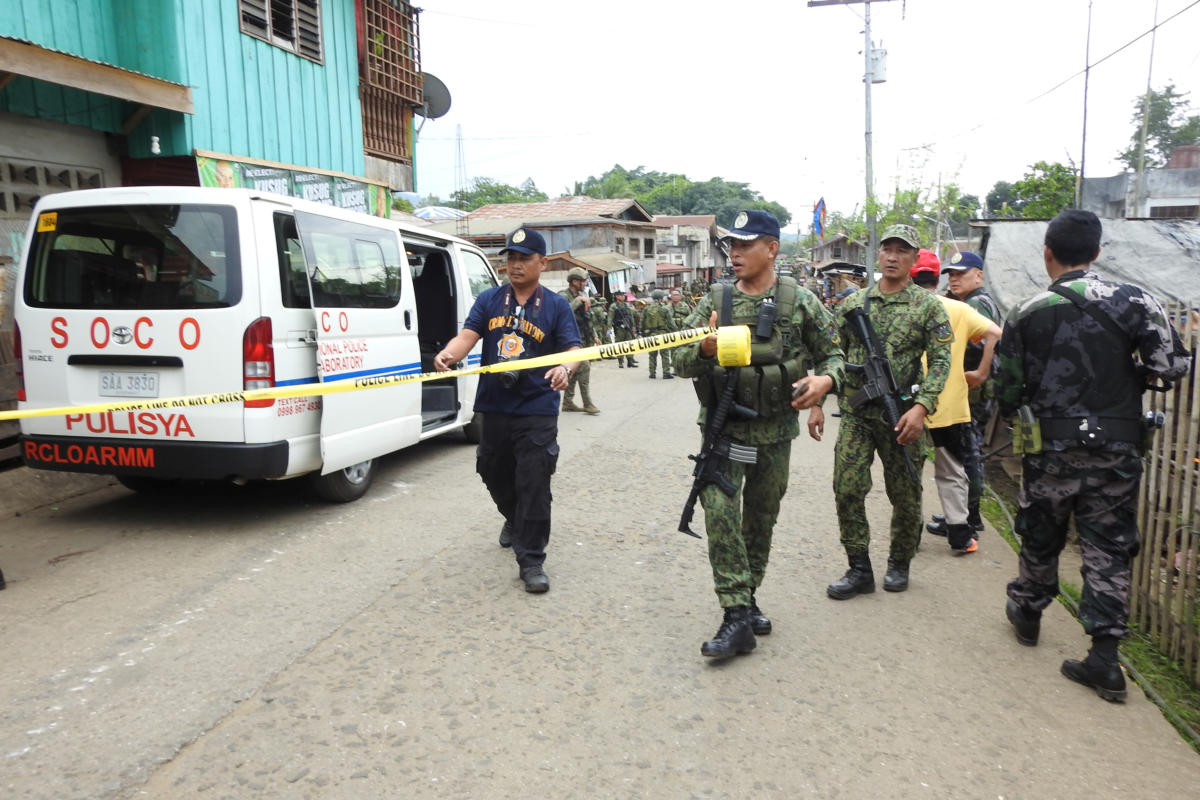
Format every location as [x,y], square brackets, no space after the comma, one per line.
[632,363]
[859,579]
[1099,670]
[668,376]
[758,620]
[587,403]
[937,525]
[734,637]
[896,579]
[621,363]
[569,405]
[1027,624]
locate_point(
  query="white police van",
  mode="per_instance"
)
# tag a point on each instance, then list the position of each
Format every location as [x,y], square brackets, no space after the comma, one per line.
[168,291]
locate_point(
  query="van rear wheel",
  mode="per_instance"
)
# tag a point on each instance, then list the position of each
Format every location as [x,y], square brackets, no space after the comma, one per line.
[344,485]
[143,483]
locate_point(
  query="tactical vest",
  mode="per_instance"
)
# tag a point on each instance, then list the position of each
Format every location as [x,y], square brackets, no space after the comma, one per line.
[766,385]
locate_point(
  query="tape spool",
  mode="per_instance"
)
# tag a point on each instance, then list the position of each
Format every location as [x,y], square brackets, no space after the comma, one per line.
[733,346]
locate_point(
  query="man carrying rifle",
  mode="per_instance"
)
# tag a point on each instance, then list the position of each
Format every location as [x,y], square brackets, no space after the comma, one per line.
[902,323]
[741,503]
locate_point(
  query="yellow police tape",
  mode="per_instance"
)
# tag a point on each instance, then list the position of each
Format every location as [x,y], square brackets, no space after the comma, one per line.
[613,350]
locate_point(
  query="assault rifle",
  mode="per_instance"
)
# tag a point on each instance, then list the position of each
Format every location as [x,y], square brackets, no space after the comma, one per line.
[878,381]
[715,449]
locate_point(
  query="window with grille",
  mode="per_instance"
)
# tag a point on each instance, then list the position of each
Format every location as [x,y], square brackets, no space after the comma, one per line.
[294,25]
[1174,212]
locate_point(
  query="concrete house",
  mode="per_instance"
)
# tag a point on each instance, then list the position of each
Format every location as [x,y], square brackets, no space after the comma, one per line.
[687,250]
[615,239]
[1169,193]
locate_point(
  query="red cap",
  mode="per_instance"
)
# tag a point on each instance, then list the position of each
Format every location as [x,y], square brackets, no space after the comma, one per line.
[928,262]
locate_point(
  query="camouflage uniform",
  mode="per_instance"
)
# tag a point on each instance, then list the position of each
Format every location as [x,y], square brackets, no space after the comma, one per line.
[624,327]
[983,403]
[658,318]
[600,320]
[908,323]
[1050,356]
[739,527]
[582,376]
[680,312]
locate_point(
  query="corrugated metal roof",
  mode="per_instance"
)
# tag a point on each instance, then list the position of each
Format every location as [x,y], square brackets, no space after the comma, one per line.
[90,60]
[559,208]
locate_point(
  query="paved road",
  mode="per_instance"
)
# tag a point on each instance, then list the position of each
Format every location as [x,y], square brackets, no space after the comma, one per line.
[252,643]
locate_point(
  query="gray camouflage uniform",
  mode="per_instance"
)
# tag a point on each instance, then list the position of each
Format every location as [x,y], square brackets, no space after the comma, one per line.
[1078,379]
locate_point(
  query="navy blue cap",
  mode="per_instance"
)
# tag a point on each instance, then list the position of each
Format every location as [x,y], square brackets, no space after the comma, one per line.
[844,293]
[961,262]
[525,240]
[751,224]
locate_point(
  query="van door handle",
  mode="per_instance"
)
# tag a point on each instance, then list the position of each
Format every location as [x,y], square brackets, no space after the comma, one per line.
[309,337]
[408,320]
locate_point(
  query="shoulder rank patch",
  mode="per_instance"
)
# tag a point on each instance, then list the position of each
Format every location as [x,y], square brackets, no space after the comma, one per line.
[943,333]
[833,333]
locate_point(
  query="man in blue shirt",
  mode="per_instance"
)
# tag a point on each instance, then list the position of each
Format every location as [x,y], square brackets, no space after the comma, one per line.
[518,449]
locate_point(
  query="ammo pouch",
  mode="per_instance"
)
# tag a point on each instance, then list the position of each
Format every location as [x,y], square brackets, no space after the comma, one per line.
[765,389]
[1027,433]
[766,385]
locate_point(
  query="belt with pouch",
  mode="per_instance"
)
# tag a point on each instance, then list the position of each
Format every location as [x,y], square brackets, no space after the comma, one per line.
[1091,431]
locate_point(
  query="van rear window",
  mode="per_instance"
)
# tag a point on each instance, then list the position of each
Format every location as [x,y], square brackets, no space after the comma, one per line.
[160,256]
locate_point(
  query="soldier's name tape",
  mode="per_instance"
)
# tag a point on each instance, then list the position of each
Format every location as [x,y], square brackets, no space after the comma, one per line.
[612,350]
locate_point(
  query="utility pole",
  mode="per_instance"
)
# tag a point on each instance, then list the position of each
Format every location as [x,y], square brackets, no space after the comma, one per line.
[868,79]
[1141,166]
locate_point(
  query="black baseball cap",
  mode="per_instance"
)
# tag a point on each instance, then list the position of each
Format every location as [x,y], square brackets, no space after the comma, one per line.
[525,240]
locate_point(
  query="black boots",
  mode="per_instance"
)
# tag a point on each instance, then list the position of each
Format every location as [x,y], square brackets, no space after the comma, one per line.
[506,534]
[1027,624]
[2,585]
[1099,670]
[859,579]
[758,620]
[734,637]
[896,579]
[535,579]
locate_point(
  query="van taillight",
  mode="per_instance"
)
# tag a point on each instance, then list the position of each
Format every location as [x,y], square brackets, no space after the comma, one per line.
[258,360]
[19,358]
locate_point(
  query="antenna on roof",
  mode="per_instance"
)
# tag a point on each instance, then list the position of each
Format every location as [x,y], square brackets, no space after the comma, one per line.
[461,226]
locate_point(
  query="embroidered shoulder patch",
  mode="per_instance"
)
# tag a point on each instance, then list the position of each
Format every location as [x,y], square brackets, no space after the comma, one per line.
[943,333]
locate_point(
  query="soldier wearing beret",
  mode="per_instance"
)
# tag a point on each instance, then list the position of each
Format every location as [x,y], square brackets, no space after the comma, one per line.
[1078,356]
[909,323]
[788,323]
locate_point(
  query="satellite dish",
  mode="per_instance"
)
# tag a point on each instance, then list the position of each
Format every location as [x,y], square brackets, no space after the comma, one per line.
[437,97]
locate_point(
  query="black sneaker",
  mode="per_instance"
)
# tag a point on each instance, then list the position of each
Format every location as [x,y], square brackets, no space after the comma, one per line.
[535,579]
[1106,679]
[506,534]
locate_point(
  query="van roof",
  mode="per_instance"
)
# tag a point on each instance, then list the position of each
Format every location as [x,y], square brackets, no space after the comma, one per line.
[217,196]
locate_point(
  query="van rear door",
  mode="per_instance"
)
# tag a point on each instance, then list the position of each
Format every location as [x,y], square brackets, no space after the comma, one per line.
[362,298]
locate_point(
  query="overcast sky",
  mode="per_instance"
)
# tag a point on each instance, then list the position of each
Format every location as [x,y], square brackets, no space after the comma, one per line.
[770,92]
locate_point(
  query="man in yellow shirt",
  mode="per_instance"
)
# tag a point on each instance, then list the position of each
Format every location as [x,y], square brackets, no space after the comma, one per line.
[950,427]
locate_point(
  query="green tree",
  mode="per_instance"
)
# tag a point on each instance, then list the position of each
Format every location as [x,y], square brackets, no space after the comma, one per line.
[1044,191]
[1168,126]
[485,191]
[1001,202]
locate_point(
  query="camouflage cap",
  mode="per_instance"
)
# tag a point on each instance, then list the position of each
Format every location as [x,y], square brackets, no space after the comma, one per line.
[905,233]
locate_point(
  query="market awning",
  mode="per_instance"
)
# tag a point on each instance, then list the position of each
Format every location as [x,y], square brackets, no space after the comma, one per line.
[19,58]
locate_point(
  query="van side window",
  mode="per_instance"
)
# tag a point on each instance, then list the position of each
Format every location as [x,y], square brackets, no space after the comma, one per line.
[293,280]
[479,273]
[350,265]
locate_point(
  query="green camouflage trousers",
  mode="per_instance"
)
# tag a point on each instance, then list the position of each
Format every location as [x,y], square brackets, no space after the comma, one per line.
[739,527]
[665,353]
[582,378]
[1101,489]
[623,335]
[859,437]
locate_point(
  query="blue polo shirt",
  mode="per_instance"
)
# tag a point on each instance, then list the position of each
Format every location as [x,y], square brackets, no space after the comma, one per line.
[544,325]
